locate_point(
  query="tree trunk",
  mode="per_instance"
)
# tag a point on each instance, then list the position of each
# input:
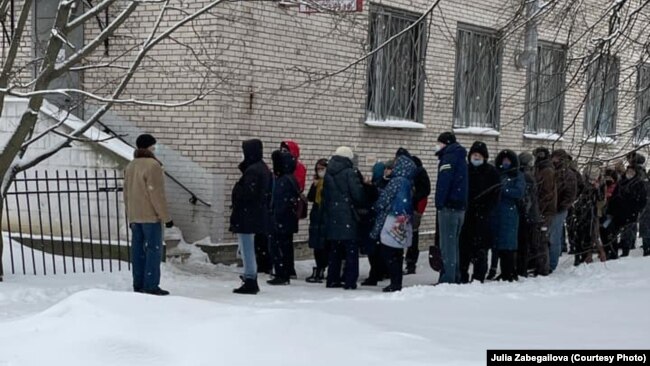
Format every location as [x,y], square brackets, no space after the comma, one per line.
[2,239]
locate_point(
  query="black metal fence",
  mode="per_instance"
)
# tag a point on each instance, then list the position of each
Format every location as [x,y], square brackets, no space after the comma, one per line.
[66,221]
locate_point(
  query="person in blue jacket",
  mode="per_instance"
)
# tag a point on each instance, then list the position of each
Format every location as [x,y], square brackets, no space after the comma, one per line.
[513,188]
[451,202]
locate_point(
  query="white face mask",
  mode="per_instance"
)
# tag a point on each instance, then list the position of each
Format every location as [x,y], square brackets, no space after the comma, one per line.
[321,174]
[153,149]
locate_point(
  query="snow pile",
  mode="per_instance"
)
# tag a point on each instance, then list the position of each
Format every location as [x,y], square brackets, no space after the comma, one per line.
[70,322]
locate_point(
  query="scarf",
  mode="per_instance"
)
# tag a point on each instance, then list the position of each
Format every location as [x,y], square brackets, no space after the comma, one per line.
[319,192]
[145,154]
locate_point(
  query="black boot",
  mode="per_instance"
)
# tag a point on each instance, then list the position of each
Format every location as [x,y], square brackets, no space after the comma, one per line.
[492,274]
[157,291]
[391,288]
[370,281]
[278,281]
[409,270]
[317,275]
[249,287]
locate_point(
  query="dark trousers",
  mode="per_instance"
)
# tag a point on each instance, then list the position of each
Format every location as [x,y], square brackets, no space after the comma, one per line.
[146,255]
[527,235]
[340,250]
[646,246]
[538,251]
[628,239]
[279,246]
[322,257]
[508,260]
[413,252]
[393,258]
[378,268]
[476,257]
[262,255]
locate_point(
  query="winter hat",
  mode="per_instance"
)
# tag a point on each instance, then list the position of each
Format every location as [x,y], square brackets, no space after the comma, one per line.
[145,141]
[481,148]
[561,154]
[402,152]
[447,138]
[345,152]
[525,159]
[542,153]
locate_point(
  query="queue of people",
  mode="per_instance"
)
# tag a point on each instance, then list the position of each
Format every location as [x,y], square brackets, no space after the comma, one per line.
[495,220]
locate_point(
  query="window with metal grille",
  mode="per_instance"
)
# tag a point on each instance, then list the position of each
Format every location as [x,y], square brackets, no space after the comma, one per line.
[395,72]
[545,90]
[602,90]
[642,128]
[478,78]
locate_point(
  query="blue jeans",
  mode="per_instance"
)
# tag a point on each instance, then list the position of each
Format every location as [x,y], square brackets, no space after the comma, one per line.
[146,255]
[450,222]
[247,251]
[555,234]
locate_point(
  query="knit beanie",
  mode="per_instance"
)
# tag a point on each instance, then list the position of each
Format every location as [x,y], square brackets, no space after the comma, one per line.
[145,141]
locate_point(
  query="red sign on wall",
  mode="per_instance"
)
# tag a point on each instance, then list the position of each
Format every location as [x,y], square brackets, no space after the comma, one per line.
[332,5]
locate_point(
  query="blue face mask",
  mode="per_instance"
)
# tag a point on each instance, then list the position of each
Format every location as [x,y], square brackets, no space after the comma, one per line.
[506,165]
[477,162]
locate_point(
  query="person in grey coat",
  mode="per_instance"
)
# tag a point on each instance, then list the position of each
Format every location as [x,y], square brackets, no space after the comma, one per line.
[342,193]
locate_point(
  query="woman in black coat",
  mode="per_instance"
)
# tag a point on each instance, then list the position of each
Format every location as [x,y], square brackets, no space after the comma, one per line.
[251,198]
[285,218]
[343,194]
[316,223]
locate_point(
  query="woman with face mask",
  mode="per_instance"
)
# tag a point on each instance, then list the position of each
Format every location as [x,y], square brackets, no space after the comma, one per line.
[316,224]
[483,194]
[513,188]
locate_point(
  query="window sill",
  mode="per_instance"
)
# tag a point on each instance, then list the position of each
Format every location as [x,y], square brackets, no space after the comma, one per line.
[543,136]
[395,124]
[600,140]
[481,131]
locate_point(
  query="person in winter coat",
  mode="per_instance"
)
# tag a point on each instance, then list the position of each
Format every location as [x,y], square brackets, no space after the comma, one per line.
[476,234]
[343,192]
[251,203]
[317,240]
[630,233]
[567,189]
[573,168]
[146,212]
[627,202]
[644,219]
[513,189]
[371,247]
[451,202]
[421,192]
[285,219]
[530,220]
[583,223]
[300,173]
[547,200]
[393,221]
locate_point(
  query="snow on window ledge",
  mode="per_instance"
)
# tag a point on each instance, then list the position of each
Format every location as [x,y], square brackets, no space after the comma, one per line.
[401,124]
[544,136]
[644,142]
[481,131]
[600,140]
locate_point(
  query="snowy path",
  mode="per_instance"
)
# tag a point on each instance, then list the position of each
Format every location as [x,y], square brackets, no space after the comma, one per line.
[92,319]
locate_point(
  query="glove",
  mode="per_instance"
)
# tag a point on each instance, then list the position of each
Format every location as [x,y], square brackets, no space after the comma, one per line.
[169,224]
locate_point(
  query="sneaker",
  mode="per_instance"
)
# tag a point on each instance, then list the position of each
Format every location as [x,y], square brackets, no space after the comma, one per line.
[157,291]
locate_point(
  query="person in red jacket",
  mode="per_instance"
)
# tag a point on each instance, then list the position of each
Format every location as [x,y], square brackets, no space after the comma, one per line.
[301,172]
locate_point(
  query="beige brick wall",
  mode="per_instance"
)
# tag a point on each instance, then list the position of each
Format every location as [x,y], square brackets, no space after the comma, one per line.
[258,54]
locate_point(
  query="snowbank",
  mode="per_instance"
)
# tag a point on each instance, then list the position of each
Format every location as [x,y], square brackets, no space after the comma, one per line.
[70,322]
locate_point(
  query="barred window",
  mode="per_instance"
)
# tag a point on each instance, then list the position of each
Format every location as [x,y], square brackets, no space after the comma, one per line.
[642,130]
[545,90]
[602,89]
[478,78]
[396,72]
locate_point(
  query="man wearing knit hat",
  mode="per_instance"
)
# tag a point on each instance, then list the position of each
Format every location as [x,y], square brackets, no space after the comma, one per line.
[451,202]
[146,211]
[342,193]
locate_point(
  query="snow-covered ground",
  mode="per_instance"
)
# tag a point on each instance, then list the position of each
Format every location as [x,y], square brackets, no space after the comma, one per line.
[94,319]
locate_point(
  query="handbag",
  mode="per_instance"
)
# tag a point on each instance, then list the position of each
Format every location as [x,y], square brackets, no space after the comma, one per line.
[301,207]
[397,231]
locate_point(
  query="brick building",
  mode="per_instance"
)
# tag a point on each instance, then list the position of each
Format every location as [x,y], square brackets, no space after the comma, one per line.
[275,70]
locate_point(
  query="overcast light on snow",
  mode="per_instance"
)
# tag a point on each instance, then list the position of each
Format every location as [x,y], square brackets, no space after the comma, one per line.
[94,319]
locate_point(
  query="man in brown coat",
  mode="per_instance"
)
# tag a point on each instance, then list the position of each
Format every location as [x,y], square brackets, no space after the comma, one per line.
[567,191]
[146,211]
[547,198]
